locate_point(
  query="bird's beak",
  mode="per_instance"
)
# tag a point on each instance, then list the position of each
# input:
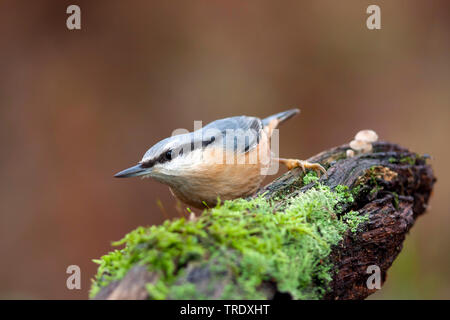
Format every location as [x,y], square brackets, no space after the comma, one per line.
[135,171]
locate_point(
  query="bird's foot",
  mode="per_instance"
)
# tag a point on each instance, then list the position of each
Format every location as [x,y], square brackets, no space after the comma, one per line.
[295,163]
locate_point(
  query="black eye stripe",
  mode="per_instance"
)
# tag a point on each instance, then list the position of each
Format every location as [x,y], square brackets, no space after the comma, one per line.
[171,154]
[165,156]
[208,141]
[148,164]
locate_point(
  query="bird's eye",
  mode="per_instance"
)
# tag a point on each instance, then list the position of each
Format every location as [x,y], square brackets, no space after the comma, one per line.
[168,155]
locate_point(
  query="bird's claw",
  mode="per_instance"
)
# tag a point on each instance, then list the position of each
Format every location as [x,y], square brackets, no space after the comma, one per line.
[312,166]
[294,163]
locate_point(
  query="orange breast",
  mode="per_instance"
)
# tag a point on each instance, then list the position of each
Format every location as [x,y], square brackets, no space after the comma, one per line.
[224,175]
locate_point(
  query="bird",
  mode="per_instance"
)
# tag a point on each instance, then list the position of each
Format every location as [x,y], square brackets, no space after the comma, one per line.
[224,160]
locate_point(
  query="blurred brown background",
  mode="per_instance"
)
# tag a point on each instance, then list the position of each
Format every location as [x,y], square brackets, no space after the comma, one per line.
[78,106]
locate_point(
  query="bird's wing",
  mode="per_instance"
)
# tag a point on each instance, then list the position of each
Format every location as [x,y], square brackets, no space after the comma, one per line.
[238,133]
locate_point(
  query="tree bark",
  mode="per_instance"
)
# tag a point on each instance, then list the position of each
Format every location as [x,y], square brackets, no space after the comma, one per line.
[394,186]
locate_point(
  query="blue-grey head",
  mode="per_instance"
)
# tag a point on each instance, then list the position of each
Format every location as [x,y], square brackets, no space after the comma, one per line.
[169,158]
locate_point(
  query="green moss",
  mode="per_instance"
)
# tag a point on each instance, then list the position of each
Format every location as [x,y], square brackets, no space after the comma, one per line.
[393,160]
[395,200]
[284,191]
[353,219]
[344,194]
[356,190]
[245,238]
[375,190]
[409,160]
[373,175]
[310,177]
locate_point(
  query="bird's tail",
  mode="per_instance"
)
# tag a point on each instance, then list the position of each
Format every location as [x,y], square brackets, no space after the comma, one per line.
[281,117]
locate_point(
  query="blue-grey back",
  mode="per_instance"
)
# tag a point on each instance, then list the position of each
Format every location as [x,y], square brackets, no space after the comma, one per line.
[241,134]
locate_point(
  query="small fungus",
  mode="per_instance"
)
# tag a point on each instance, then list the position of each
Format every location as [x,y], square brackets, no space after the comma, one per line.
[366,136]
[350,153]
[361,146]
[362,142]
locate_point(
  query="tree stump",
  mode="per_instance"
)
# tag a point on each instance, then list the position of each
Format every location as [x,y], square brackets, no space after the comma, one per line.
[391,185]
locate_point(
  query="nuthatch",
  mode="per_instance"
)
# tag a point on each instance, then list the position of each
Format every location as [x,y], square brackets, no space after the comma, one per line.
[224,160]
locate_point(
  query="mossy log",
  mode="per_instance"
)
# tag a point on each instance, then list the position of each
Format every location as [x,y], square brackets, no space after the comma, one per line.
[390,185]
